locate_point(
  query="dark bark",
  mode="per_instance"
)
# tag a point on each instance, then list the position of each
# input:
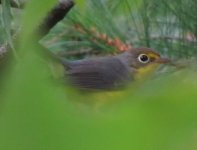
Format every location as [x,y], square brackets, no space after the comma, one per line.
[54,16]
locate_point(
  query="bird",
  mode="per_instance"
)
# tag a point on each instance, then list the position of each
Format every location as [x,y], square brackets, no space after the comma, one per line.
[112,72]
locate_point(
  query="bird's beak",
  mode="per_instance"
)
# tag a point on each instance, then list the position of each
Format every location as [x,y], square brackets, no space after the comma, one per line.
[163,60]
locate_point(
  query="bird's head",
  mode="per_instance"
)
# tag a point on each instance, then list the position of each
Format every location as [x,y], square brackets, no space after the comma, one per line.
[145,60]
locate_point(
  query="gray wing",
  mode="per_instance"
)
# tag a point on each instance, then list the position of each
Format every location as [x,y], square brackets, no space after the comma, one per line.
[100,73]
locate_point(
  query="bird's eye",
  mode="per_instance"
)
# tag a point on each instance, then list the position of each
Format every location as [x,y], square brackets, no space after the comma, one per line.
[143,58]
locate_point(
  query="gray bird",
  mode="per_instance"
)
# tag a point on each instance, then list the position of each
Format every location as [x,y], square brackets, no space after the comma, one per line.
[112,72]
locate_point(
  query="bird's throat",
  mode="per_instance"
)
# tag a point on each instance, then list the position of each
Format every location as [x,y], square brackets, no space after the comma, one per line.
[145,72]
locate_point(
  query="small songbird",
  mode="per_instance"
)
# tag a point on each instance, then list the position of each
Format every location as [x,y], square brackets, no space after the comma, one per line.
[112,72]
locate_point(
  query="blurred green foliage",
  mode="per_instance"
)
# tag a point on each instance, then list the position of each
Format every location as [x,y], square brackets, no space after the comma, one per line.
[37,113]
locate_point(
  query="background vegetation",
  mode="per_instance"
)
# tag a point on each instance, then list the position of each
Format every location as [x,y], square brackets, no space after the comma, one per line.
[38,113]
[169,27]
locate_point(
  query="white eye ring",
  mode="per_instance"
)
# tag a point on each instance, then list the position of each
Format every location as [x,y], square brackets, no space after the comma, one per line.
[143,58]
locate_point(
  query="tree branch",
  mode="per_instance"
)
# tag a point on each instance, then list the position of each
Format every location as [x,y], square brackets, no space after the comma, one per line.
[54,16]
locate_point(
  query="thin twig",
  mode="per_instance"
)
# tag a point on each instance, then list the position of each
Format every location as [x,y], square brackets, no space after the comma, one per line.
[173,38]
[77,52]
